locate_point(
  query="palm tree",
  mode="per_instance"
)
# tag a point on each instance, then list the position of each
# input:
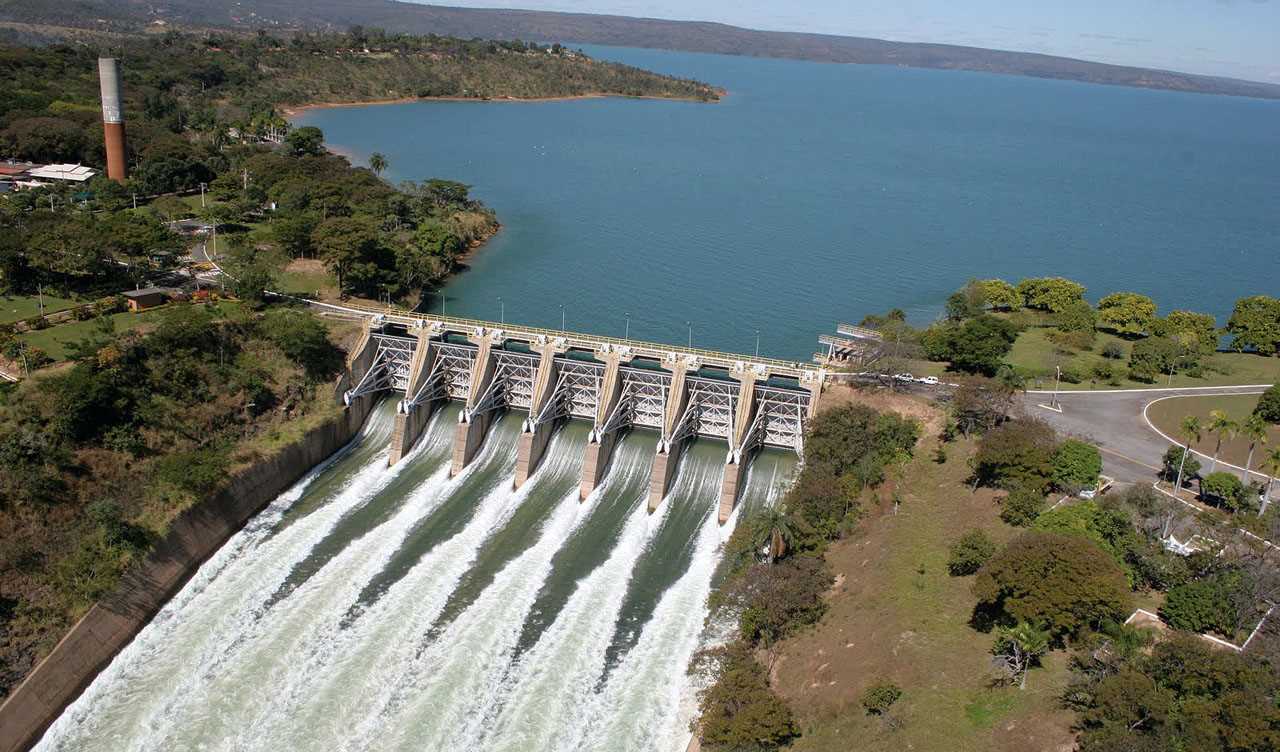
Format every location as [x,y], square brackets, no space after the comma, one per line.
[774,533]
[1222,426]
[1019,646]
[1271,466]
[377,163]
[1191,431]
[1254,429]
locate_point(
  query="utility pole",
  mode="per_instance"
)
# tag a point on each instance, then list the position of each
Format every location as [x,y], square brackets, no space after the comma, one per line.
[1056,379]
[627,335]
[757,343]
[690,325]
[562,318]
[202,195]
[502,310]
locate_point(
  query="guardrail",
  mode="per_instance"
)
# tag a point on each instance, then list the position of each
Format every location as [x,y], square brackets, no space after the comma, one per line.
[574,338]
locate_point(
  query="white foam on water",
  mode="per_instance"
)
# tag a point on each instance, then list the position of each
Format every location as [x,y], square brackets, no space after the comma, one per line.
[554,678]
[225,594]
[446,683]
[352,672]
[646,703]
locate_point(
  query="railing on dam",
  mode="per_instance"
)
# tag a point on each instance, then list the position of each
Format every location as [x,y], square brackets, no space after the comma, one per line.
[617,384]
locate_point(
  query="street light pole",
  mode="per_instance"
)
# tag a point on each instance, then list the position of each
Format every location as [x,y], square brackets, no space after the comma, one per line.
[1056,379]
[690,325]
[757,343]
[502,310]
[627,336]
[562,318]
[202,195]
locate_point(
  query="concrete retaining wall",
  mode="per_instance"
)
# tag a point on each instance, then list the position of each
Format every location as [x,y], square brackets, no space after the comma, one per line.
[200,531]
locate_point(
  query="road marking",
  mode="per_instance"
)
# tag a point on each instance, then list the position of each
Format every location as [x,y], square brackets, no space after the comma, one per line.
[1170,439]
[1127,458]
[1070,392]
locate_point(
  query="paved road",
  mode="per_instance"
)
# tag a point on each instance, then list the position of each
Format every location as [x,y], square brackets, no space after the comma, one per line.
[1131,450]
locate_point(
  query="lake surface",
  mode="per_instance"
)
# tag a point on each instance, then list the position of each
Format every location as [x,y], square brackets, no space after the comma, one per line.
[817,193]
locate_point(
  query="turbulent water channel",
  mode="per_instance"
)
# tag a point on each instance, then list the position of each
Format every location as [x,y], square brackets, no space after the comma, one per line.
[376,608]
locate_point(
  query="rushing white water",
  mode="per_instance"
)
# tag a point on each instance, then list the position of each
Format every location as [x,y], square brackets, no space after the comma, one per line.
[375,608]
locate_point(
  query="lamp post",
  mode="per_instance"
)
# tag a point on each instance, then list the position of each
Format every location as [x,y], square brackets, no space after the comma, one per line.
[562,318]
[627,335]
[502,311]
[1056,379]
[202,195]
[757,343]
[690,325]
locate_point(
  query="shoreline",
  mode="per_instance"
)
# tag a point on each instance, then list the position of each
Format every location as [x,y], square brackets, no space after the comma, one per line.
[293,110]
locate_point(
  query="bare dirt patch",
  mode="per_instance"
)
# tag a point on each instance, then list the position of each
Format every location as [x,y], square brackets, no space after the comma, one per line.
[882,398]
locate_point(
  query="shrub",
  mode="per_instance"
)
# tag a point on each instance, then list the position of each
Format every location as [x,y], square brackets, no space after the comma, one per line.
[739,711]
[1203,604]
[1127,312]
[1022,506]
[83,313]
[1018,453]
[1113,351]
[881,696]
[304,340]
[780,598]
[1073,340]
[1076,465]
[969,553]
[40,322]
[1224,489]
[1078,318]
[1050,293]
[1063,582]
[1110,528]
[1173,460]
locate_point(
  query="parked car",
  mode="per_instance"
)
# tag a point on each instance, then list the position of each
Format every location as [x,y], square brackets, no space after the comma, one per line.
[930,380]
[905,377]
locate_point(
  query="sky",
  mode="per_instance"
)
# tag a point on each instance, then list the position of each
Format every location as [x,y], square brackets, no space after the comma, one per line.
[1236,38]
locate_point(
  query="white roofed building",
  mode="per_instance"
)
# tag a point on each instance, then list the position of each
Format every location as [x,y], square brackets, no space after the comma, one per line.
[72,172]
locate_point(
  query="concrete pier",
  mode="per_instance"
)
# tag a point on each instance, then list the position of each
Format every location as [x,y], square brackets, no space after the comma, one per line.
[535,435]
[739,452]
[664,462]
[411,421]
[472,422]
[595,458]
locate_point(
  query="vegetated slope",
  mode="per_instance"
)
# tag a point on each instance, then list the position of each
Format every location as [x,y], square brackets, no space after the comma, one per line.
[601,29]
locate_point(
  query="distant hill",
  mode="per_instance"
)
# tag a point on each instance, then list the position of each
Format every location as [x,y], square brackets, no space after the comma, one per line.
[119,15]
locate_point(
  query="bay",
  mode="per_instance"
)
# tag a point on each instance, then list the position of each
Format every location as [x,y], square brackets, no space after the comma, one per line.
[816,193]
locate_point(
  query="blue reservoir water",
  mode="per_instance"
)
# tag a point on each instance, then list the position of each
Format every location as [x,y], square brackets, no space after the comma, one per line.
[817,193]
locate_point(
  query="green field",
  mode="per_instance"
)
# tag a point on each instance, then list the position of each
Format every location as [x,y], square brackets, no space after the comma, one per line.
[1035,353]
[1167,415]
[19,307]
[55,339]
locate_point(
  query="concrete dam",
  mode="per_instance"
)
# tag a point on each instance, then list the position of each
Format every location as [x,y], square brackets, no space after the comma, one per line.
[514,554]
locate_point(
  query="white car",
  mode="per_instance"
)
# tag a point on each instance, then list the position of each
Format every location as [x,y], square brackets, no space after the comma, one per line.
[930,380]
[905,377]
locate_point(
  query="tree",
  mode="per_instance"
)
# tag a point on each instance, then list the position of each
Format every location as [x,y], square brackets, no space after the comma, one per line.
[1200,328]
[1063,582]
[1225,488]
[1203,604]
[978,345]
[1021,506]
[307,141]
[1223,427]
[979,404]
[1108,527]
[1051,294]
[343,242]
[304,340]
[292,233]
[1155,356]
[1253,428]
[1076,465]
[1176,459]
[1016,454]
[967,302]
[1269,405]
[1255,325]
[739,711]
[1191,432]
[1078,316]
[1127,312]
[1019,647]
[1000,295]
[378,163]
[779,599]
[773,532]
[969,553]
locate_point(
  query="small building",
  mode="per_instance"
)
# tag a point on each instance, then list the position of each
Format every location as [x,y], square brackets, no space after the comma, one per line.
[147,297]
[70,172]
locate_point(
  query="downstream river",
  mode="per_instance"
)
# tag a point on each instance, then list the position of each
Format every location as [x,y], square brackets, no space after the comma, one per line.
[817,193]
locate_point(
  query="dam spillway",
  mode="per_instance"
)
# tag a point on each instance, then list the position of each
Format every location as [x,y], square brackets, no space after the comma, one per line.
[379,606]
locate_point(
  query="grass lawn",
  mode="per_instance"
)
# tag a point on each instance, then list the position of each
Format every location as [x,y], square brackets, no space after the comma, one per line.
[1167,415]
[18,307]
[1033,351]
[308,277]
[896,614]
[55,339]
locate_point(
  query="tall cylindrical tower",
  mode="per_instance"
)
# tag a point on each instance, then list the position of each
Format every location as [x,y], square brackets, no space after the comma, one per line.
[112,117]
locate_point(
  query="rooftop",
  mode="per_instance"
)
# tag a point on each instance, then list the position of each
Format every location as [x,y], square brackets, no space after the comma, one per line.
[74,172]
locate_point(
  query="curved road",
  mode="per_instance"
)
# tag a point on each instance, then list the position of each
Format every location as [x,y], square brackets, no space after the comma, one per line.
[1114,421]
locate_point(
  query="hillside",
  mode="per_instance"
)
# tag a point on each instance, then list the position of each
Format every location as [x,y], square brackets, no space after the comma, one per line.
[599,29]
